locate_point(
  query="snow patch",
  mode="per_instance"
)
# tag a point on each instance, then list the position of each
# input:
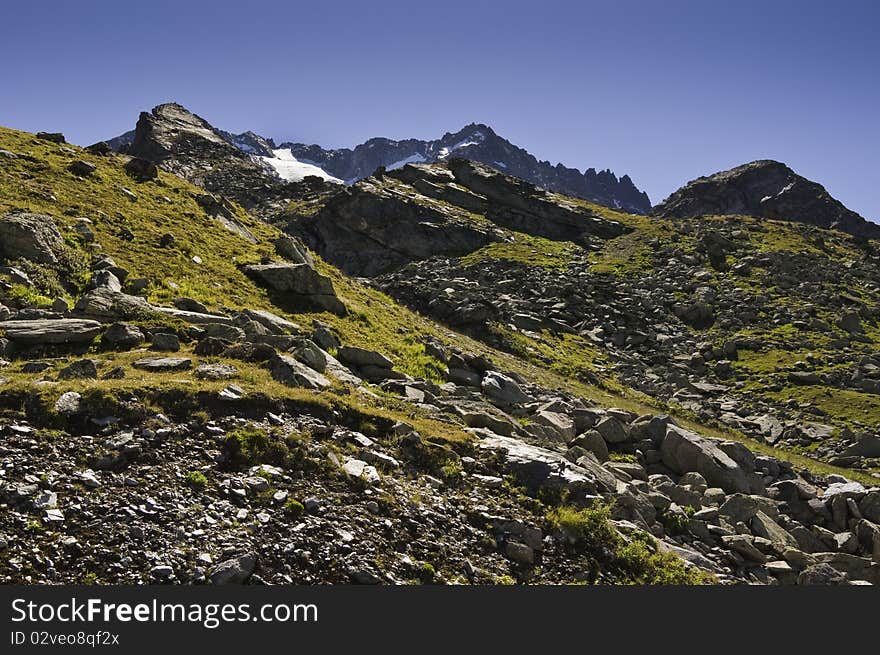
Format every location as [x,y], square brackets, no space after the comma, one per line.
[291,169]
[412,159]
[500,164]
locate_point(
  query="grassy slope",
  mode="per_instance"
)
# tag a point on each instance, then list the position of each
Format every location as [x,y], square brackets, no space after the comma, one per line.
[375,321]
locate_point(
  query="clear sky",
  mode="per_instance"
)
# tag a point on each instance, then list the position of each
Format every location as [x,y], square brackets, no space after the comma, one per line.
[664,90]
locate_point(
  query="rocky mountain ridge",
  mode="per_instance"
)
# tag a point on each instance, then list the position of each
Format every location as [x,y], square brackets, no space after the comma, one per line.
[476,142]
[479,143]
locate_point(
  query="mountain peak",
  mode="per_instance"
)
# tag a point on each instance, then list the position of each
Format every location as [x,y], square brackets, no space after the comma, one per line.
[765,188]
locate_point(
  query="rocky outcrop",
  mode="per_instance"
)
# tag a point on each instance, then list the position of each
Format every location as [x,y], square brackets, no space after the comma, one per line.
[185,144]
[767,189]
[57,331]
[385,221]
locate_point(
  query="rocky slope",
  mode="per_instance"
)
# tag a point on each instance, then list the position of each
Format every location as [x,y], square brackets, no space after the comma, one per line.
[768,189]
[187,395]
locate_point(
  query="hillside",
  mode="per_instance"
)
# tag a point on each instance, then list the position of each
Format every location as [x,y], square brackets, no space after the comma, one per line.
[528,388]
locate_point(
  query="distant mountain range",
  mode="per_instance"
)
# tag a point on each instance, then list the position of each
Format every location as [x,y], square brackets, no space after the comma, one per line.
[475,142]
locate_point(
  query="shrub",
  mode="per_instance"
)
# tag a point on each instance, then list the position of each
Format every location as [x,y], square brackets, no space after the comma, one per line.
[196,480]
[294,509]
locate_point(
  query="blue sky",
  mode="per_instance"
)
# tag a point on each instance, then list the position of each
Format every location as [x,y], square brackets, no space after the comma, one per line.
[665,91]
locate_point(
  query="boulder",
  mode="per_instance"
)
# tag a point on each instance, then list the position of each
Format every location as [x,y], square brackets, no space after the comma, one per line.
[34,237]
[82,369]
[360,357]
[275,324]
[51,331]
[234,571]
[869,506]
[560,425]
[165,342]
[163,364]
[538,468]
[503,389]
[291,372]
[293,250]
[122,335]
[612,430]
[141,169]
[299,283]
[81,168]
[683,451]
[105,304]
[215,372]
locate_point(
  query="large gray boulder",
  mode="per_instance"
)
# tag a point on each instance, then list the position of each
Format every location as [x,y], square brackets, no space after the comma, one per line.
[291,372]
[50,331]
[361,357]
[300,283]
[684,451]
[105,304]
[503,389]
[539,468]
[30,236]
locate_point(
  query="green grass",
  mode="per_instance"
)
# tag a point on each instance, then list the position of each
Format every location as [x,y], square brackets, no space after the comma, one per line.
[196,480]
[525,249]
[637,561]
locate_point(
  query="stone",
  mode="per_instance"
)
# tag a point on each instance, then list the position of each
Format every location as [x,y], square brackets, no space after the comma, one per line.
[215,372]
[163,364]
[357,468]
[51,331]
[519,553]
[141,170]
[821,574]
[54,137]
[289,371]
[684,451]
[539,468]
[165,342]
[69,403]
[122,335]
[359,357]
[612,430]
[221,331]
[105,304]
[559,425]
[299,283]
[311,355]
[234,571]
[84,368]
[293,250]
[593,442]
[869,506]
[275,324]
[763,526]
[845,489]
[503,389]
[81,168]
[744,545]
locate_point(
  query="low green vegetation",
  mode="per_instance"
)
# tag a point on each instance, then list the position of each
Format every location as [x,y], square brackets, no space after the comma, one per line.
[525,249]
[633,561]
[196,480]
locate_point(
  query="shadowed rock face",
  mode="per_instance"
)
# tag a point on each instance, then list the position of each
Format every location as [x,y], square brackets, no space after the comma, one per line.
[388,220]
[767,189]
